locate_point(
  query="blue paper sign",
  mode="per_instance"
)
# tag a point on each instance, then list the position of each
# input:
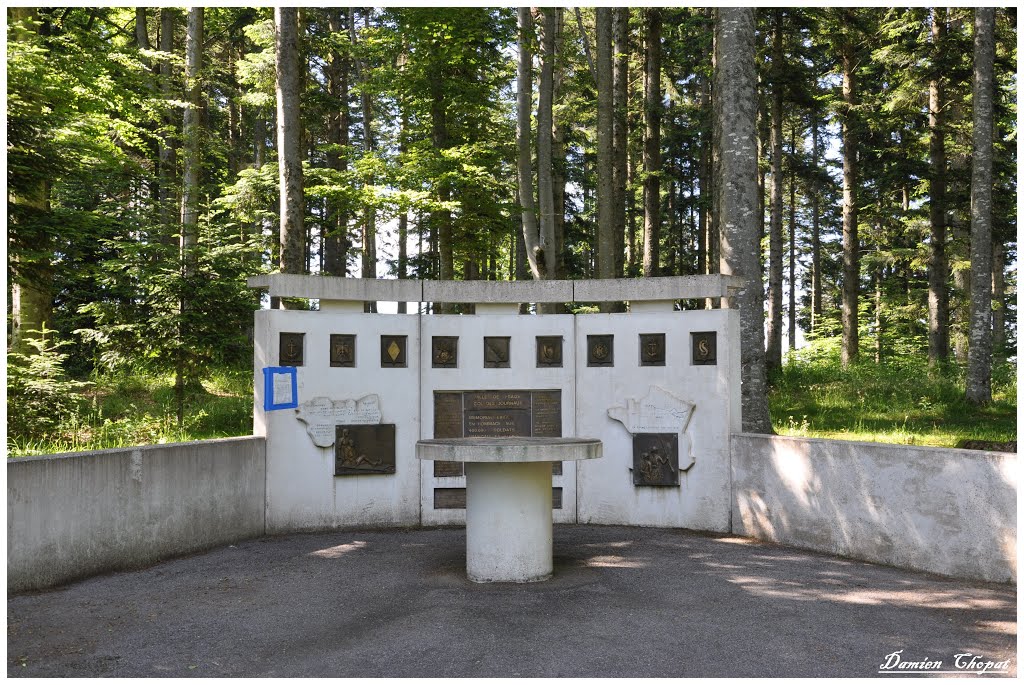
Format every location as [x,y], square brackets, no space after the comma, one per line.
[280,388]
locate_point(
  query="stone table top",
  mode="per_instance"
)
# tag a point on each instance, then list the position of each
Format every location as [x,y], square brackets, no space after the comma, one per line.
[504,450]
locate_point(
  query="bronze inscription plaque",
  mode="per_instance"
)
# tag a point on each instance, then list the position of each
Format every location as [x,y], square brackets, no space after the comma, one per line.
[361,449]
[498,413]
[656,459]
[455,498]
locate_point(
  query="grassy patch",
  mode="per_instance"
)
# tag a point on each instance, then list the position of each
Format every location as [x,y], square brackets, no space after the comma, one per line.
[138,409]
[900,401]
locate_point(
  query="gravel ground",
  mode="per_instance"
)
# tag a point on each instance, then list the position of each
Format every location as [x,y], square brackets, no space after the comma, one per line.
[624,602]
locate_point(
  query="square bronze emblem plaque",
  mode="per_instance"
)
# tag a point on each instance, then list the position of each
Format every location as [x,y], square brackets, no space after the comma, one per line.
[549,351]
[392,351]
[600,350]
[444,352]
[496,352]
[652,349]
[343,350]
[364,449]
[290,350]
[704,346]
[656,459]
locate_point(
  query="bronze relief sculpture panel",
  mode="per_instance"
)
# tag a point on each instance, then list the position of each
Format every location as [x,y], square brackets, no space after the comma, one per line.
[704,347]
[290,352]
[343,350]
[363,449]
[392,351]
[444,352]
[496,352]
[652,349]
[656,459]
[600,350]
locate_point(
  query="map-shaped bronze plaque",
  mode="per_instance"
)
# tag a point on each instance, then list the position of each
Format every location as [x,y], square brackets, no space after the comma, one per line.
[343,350]
[444,352]
[392,351]
[656,459]
[600,350]
[496,352]
[652,349]
[549,351]
[362,449]
[704,346]
[290,351]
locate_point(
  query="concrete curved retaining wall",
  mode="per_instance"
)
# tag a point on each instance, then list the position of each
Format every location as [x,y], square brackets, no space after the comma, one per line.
[74,515]
[947,511]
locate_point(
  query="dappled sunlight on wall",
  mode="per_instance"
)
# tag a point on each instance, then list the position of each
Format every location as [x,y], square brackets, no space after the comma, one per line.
[941,510]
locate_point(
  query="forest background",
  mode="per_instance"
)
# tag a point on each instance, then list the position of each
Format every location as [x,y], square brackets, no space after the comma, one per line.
[158,156]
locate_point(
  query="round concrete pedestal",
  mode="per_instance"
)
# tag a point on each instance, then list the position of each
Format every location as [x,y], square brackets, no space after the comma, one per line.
[508,522]
[508,501]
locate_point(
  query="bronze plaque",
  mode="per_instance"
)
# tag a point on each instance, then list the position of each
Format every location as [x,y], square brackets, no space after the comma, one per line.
[652,349]
[547,413]
[656,459]
[444,353]
[343,350]
[704,346]
[448,415]
[549,351]
[496,352]
[498,399]
[497,413]
[556,469]
[447,469]
[600,350]
[290,350]
[497,423]
[361,449]
[455,498]
[449,498]
[392,351]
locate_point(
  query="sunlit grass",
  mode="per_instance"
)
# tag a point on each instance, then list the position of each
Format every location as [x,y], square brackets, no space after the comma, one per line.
[903,401]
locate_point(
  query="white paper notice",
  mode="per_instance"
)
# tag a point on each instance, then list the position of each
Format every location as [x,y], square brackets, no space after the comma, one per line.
[282,388]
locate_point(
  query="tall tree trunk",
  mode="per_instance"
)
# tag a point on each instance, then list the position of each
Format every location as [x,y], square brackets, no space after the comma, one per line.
[773,354]
[524,157]
[191,133]
[369,219]
[620,105]
[168,151]
[815,190]
[998,300]
[544,130]
[403,217]
[605,153]
[652,141]
[289,136]
[851,243]
[979,351]
[877,277]
[336,242]
[938,293]
[558,131]
[791,310]
[737,201]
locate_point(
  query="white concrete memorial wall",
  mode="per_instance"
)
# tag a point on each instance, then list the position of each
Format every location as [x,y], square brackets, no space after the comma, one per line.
[659,388]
